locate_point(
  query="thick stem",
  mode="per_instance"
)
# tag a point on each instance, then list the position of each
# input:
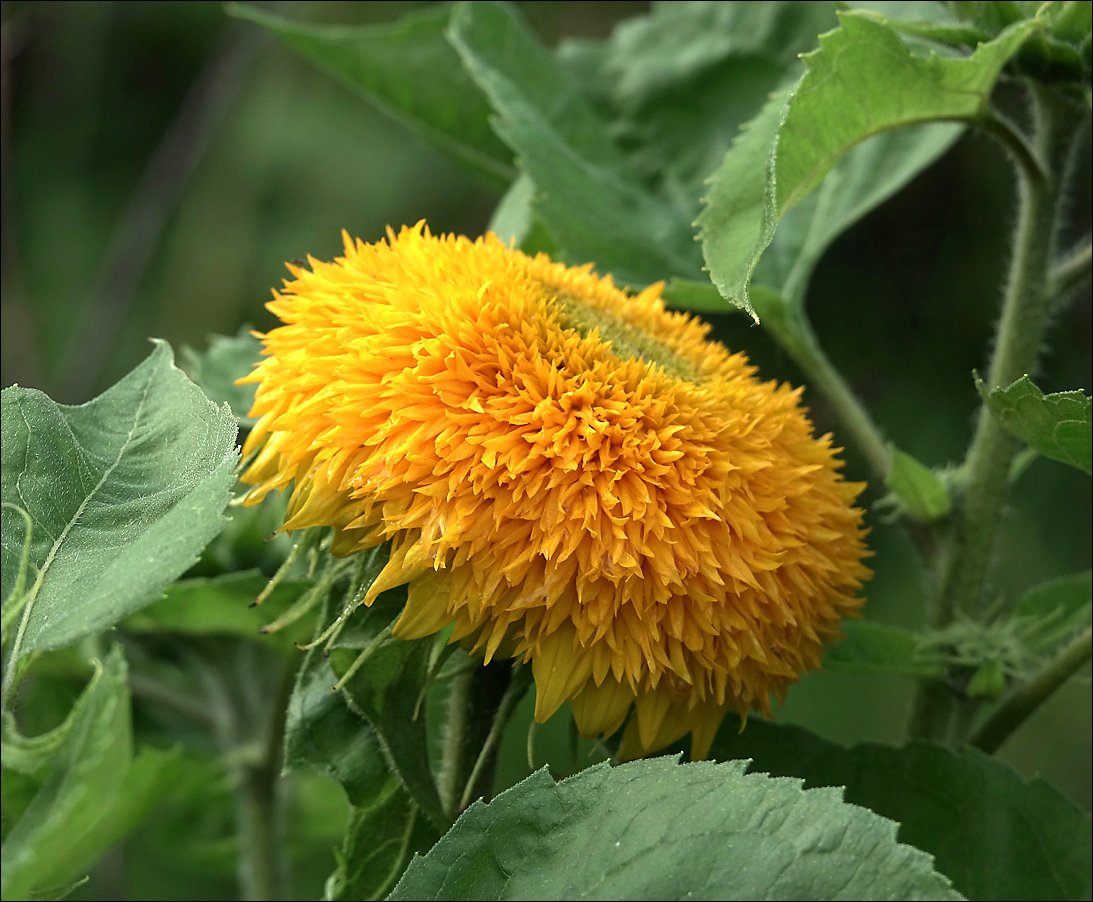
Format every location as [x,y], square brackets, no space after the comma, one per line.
[1016,709]
[258,802]
[1026,308]
[517,688]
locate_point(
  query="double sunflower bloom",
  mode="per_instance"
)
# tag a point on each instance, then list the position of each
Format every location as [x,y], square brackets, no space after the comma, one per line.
[569,474]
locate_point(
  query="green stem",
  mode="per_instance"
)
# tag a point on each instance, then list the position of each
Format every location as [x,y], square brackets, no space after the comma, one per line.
[1016,709]
[258,802]
[1026,308]
[521,680]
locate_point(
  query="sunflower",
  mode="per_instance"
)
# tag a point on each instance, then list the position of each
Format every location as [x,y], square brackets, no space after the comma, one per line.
[568,473]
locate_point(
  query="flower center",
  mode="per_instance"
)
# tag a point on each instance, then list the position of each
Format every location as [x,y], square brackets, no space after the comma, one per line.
[627,341]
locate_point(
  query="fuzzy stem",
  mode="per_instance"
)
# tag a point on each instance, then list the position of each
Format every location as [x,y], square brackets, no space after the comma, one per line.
[521,680]
[1026,307]
[1016,709]
[258,803]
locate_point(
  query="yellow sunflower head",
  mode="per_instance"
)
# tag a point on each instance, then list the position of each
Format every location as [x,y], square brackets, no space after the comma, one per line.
[567,473]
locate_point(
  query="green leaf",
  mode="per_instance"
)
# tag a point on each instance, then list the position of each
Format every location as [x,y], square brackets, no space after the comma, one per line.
[61,831]
[863,178]
[739,216]
[385,681]
[915,486]
[1058,426]
[660,830]
[124,492]
[387,693]
[679,44]
[699,297]
[685,77]
[871,647]
[385,826]
[322,731]
[1060,607]
[222,606]
[409,72]
[993,834]
[380,840]
[862,81]
[586,197]
[216,369]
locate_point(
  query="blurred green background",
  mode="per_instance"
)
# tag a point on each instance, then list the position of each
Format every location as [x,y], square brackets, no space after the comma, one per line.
[161,162]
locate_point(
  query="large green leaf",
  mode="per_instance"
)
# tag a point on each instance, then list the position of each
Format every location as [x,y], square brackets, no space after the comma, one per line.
[861,82]
[410,72]
[1059,426]
[993,834]
[585,195]
[385,826]
[124,492]
[92,791]
[661,830]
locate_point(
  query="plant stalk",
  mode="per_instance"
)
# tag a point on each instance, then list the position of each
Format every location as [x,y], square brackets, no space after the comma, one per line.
[1026,308]
[1016,709]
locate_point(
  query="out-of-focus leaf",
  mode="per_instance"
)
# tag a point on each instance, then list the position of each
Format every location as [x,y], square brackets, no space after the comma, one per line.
[871,647]
[682,80]
[586,197]
[993,834]
[410,72]
[216,369]
[915,486]
[92,792]
[222,606]
[514,216]
[862,81]
[660,830]
[1059,607]
[124,491]
[1059,426]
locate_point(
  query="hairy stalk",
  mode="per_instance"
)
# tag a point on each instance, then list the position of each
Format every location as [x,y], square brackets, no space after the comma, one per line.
[258,802]
[1016,709]
[517,688]
[1026,308]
